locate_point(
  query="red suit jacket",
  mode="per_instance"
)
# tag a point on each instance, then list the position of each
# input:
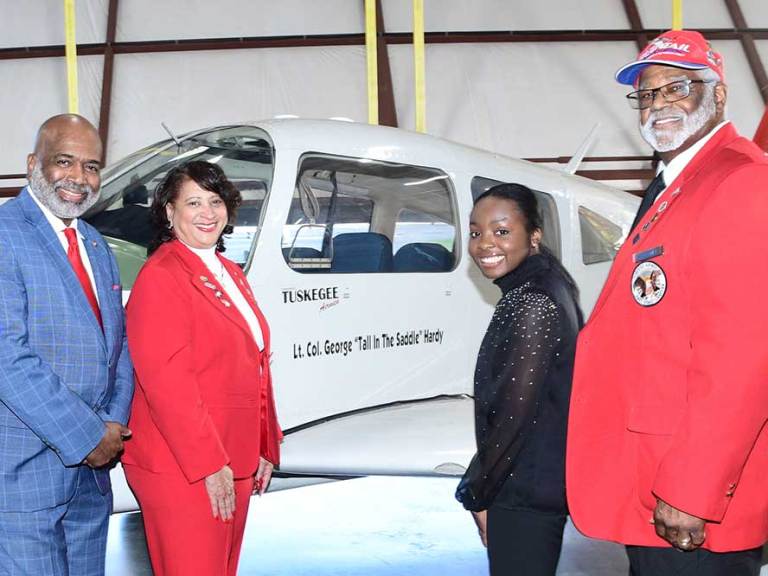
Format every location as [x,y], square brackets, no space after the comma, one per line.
[670,398]
[203,389]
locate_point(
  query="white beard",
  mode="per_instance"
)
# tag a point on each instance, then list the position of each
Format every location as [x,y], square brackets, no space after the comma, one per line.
[46,193]
[664,141]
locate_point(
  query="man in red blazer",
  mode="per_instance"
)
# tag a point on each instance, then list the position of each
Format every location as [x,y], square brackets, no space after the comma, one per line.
[667,447]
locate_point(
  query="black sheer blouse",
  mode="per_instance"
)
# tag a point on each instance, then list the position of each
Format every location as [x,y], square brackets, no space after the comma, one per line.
[522,390]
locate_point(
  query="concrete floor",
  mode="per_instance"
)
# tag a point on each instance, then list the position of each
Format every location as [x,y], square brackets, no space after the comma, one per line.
[364,527]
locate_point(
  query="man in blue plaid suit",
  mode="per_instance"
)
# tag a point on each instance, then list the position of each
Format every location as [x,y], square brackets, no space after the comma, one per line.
[66,379]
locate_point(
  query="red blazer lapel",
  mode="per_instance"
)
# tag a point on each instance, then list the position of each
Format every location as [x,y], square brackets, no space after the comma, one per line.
[242,283]
[701,160]
[208,285]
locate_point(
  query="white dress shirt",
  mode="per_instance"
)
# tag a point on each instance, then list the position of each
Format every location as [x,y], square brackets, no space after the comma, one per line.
[59,227]
[679,162]
[217,269]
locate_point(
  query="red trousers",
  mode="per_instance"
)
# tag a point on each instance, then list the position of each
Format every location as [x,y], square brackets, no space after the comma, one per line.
[183,537]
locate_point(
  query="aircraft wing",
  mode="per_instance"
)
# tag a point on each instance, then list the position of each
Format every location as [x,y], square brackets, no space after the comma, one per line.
[425,437]
[432,437]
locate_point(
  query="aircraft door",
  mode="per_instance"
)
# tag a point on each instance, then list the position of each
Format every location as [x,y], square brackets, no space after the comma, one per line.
[369,253]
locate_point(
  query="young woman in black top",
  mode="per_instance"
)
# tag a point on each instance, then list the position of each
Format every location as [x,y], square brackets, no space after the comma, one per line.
[515,484]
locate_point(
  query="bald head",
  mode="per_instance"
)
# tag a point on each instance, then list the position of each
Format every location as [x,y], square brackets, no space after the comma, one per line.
[64,171]
[65,126]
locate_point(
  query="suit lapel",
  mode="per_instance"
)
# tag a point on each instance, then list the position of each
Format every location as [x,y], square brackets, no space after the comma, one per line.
[647,224]
[51,242]
[102,277]
[208,285]
[242,282]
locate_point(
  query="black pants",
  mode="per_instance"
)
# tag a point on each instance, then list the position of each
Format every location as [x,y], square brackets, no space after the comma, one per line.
[649,561]
[524,542]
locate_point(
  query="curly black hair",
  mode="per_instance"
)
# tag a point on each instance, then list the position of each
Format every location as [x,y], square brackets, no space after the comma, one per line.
[206,175]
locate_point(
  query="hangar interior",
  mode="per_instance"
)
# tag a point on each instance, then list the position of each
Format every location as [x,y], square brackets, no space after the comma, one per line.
[524,79]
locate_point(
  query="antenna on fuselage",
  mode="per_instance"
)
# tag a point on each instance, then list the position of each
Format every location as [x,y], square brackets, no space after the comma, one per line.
[575,161]
[171,134]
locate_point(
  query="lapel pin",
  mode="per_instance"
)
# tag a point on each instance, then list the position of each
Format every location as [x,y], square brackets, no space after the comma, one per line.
[204,278]
[226,303]
[210,285]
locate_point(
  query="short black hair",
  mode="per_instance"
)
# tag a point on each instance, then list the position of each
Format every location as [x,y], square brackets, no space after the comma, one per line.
[206,175]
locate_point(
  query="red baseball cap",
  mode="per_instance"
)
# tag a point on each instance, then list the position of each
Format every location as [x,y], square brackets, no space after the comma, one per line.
[679,48]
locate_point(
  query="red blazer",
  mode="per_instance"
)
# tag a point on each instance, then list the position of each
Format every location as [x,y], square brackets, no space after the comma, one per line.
[203,389]
[670,399]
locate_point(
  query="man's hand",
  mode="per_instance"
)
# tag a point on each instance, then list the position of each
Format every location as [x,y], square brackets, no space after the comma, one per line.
[221,492]
[109,447]
[481,521]
[682,530]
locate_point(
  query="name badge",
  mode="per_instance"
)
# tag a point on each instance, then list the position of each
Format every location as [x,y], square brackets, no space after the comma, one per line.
[648,254]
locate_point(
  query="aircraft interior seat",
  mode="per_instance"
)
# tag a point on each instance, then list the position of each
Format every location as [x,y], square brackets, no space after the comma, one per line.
[361,252]
[301,252]
[423,257]
[136,194]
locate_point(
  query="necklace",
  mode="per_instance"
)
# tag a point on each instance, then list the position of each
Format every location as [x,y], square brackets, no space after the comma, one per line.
[220,272]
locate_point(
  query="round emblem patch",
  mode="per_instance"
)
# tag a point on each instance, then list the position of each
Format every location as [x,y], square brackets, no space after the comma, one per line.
[649,283]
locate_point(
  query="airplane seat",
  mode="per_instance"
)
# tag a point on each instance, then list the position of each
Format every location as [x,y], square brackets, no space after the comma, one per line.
[361,252]
[423,257]
[135,194]
[301,252]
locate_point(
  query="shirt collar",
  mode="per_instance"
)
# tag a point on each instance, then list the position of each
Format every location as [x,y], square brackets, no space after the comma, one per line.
[679,162]
[207,255]
[56,223]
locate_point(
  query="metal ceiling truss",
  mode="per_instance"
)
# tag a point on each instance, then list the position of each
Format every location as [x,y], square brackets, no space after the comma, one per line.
[637,32]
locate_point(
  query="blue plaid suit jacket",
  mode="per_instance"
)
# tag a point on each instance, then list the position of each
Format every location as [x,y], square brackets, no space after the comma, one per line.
[61,377]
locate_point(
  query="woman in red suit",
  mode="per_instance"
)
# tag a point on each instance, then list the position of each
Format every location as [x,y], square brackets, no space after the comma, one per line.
[205,433]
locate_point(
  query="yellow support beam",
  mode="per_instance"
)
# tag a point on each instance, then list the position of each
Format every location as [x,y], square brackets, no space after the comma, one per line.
[418,66]
[371,54]
[677,14]
[70,52]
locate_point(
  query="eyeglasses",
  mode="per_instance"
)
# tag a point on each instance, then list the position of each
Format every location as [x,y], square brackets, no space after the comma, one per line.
[672,92]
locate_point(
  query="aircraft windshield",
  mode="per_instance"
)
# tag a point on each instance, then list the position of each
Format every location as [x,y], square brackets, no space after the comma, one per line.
[244,153]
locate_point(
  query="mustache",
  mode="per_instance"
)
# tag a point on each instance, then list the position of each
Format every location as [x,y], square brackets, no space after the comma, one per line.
[84,189]
[662,115]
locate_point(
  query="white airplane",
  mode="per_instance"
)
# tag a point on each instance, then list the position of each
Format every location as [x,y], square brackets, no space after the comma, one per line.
[353,239]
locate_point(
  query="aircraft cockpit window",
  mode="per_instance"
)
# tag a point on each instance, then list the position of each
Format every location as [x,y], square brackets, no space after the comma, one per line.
[353,215]
[600,238]
[547,208]
[122,213]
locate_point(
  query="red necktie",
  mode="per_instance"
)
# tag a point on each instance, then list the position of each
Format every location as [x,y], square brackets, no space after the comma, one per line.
[73,254]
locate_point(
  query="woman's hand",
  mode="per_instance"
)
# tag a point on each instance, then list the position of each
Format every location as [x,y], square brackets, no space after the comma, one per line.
[263,476]
[480,520]
[221,491]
